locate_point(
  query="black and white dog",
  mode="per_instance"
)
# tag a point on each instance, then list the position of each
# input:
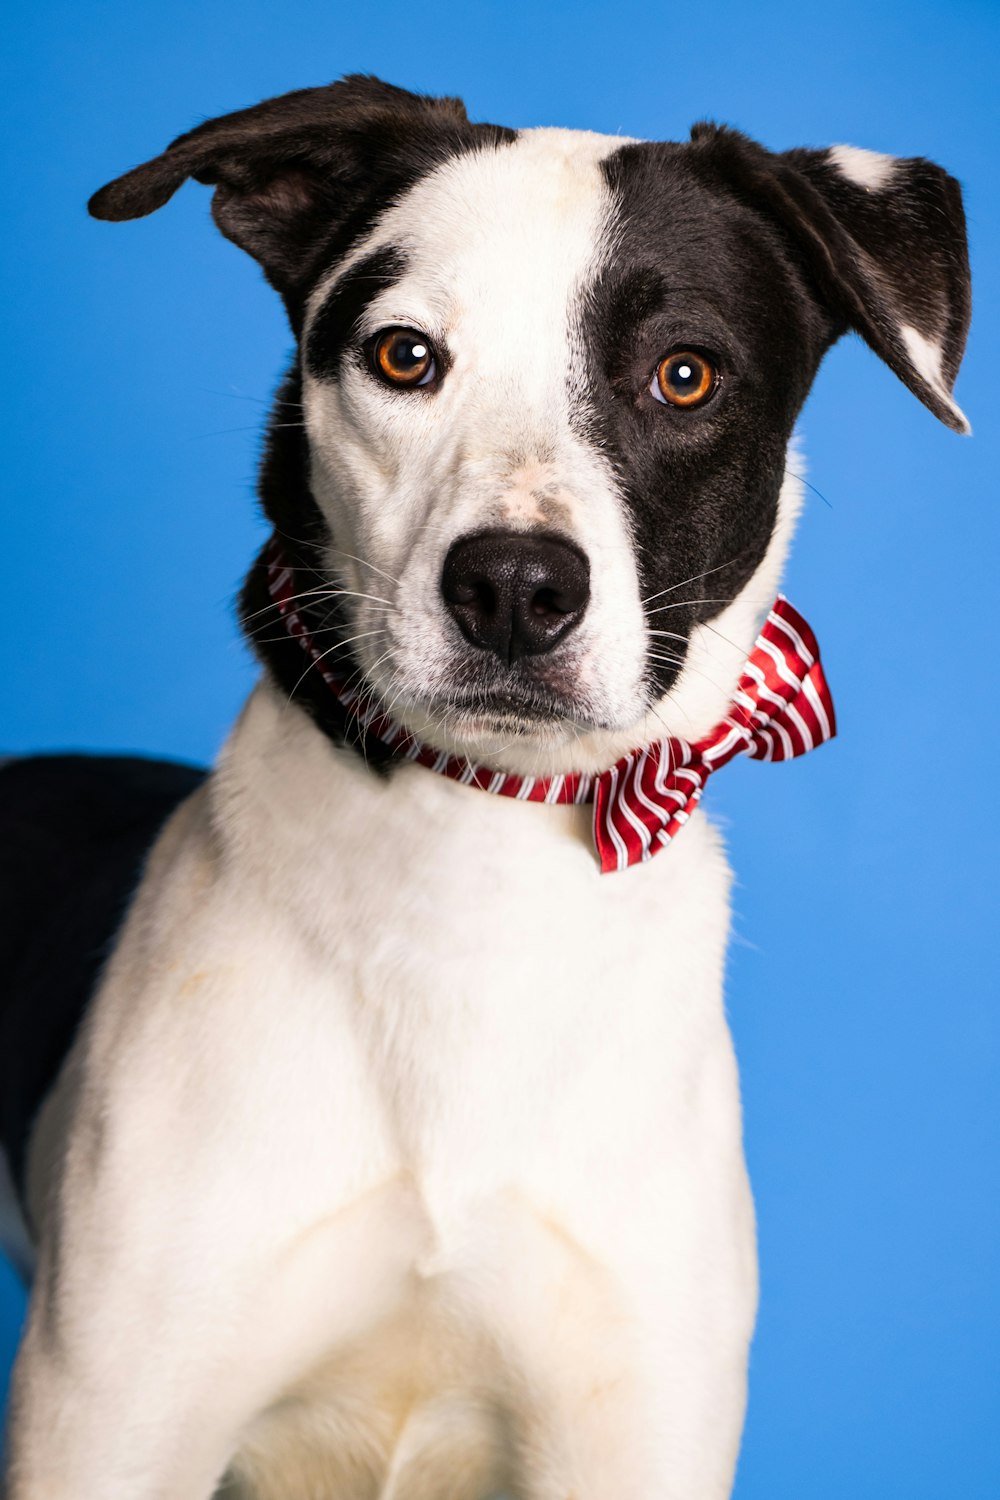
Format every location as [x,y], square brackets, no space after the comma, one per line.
[398,1153]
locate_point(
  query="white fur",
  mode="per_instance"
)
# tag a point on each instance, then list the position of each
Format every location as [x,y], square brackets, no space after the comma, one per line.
[497,1094]
[925,356]
[867,169]
[401,1155]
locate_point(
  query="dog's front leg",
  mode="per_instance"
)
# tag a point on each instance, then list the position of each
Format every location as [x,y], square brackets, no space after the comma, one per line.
[207,1228]
[138,1377]
[123,1385]
[132,1423]
[645,1406]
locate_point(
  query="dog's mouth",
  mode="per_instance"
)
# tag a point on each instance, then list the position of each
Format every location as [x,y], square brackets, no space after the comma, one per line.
[502,711]
[485,712]
[479,706]
[525,704]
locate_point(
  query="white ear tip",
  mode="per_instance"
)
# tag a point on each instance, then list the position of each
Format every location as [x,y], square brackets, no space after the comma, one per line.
[925,357]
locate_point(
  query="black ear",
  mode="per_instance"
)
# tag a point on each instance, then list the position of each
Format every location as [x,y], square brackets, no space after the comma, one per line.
[290,172]
[883,240]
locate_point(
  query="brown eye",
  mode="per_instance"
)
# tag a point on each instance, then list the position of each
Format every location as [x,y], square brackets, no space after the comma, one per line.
[403,357]
[684,379]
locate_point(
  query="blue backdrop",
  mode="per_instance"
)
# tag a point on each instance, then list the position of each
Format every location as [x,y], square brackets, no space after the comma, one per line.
[862,983]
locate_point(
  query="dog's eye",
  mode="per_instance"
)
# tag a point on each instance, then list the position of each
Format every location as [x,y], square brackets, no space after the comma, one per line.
[402,357]
[684,379]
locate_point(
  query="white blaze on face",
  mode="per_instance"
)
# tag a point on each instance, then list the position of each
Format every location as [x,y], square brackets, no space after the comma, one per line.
[498,246]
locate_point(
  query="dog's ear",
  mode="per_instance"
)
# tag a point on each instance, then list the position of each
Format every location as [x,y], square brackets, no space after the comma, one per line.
[883,241]
[288,172]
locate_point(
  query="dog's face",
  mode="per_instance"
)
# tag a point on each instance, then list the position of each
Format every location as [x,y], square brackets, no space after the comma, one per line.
[546,384]
[533,426]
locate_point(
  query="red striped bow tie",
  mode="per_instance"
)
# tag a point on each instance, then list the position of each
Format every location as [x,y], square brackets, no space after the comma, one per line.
[781,708]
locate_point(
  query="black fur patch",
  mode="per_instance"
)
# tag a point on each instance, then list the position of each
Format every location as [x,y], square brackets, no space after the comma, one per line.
[875,258]
[74,834]
[760,261]
[289,505]
[299,178]
[695,269]
[333,329]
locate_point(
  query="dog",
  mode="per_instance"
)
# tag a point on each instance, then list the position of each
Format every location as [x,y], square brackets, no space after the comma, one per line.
[372,1097]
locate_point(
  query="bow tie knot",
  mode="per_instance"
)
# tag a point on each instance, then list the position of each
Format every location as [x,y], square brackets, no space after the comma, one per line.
[781,708]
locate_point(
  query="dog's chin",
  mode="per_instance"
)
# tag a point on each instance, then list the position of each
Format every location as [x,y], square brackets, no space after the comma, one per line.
[488,725]
[500,717]
[517,723]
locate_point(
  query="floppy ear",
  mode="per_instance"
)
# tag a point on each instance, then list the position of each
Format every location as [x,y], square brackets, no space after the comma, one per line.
[291,171]
[883,240]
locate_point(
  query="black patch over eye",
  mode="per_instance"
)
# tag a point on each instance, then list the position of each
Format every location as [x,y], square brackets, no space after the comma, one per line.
[333,335]
[402,357]
[685,379]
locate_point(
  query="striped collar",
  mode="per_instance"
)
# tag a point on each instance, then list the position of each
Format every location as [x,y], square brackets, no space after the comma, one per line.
[781,708]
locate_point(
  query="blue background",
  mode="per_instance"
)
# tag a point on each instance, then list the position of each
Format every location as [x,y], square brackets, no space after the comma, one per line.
[862,986]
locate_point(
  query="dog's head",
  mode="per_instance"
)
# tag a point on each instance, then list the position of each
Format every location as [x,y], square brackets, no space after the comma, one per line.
[531,459]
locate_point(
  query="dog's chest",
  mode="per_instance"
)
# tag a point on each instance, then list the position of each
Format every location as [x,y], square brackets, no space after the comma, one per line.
[544,1053]
[492,980]
[454,1107]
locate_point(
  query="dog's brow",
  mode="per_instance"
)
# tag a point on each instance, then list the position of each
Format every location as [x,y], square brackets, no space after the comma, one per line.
[336,322]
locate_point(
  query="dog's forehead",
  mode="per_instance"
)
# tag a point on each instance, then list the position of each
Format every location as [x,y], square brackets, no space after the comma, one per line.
[514,236]
[514,219]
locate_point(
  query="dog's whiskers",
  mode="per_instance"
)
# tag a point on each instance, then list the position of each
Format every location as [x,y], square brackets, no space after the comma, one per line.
[688,603]
[270,640]
[687,666]
[317,596]
[715,631]
[705,574]
[366,564]
[315,661]
[234,395]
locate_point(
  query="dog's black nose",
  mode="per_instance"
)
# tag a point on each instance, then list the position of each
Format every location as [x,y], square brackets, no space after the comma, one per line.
[515,594]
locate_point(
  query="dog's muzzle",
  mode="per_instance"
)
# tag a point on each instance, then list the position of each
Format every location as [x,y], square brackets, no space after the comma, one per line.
[515,594]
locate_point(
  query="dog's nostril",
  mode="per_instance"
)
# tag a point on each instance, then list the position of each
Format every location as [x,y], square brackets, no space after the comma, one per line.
[472,594]
[479,592]
[548,602]
[515,594]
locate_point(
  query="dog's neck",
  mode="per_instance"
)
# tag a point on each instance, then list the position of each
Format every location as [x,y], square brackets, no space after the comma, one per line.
[695,703]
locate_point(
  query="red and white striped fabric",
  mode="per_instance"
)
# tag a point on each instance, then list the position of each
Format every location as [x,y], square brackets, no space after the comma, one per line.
[781,708]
